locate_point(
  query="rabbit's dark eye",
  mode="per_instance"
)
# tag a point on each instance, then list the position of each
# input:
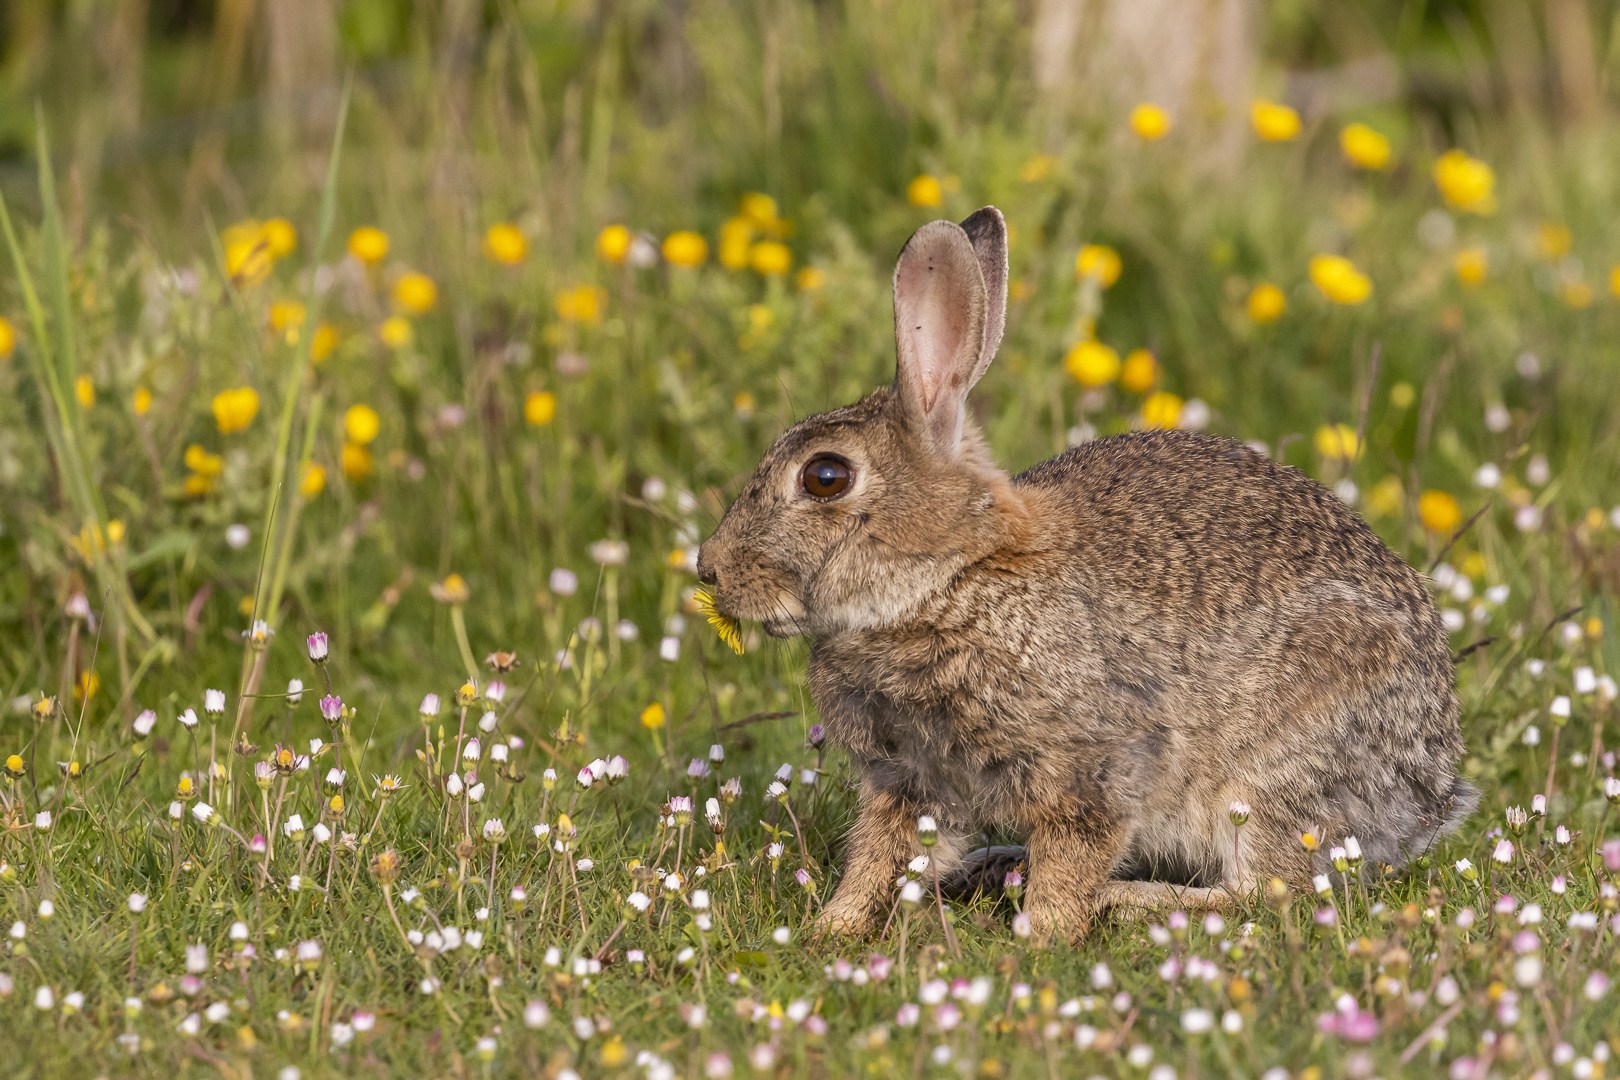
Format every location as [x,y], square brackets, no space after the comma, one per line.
[825,477]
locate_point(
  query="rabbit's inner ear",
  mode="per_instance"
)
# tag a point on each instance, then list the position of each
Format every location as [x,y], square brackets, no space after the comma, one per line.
[939,324]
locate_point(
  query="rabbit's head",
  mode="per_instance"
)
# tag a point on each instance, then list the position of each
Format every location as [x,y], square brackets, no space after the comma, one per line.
[857,516]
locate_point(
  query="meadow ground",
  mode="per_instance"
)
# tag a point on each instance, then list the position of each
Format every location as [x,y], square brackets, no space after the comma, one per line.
[361,717]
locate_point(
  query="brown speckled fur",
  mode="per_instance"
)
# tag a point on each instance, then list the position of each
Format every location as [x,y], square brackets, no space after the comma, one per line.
[1102,652]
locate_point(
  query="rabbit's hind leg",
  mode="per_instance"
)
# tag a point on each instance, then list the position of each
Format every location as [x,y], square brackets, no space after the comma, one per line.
[1138,897]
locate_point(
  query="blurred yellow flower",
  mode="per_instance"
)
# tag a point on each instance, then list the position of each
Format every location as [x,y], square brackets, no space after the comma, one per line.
[1092,363]
[613,244]
[324,341]
[1439,511]
[1037,168]
[1339,280]
[280,237]
[736,237]
[1273,122]
[1338,442]
[505,244]
[652,716]
[1577,294]
[743,405]
[143,401]
[356,461]
[1614,279]
[539,408]
[115,531]
[1140,372]
[235,409]
[685,248]
[770,258]
[361,424]
[313,482]
[1402,394]
[396,331]
[1098,262]
[85,689]
[286,314]
[582,303]
[812,278]
[1266,303]
[1472,263]
[1473,564]
[247,261]
[198,484]
[1364,147]
[416,293]
[1465,182]
[1161,411]
[1552,240]
[1594,628]
[1150,122]
[760,211]
[201,461]
[924,190]
[369,244]
[85,390]
[8,338]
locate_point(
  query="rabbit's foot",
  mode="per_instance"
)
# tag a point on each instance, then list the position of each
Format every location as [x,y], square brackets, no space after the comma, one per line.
[1050,923]
[1135,897]
[842,921]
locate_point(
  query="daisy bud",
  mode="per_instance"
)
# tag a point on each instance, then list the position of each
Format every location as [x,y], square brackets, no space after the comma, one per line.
[317,646]
[263,773]
[1352,850]
[731,791]
[188,718]
[144,723]
[717,754]
[911,894]
[1538,805]
[617,768]
[785,773]
[1339,858]
[321,833]
[1504,851]
[295,691]
[927,831]
[1611,788]
[1238,812]
[429,707]
[334,779]
[137,903]
[214,702]
[494,831]
[548,780]
[1466,870]
[1516,818]
[332,708]
[585,778]
[475,793]
[472,751]
[697,770]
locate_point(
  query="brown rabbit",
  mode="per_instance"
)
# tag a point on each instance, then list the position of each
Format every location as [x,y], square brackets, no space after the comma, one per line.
[1104,652]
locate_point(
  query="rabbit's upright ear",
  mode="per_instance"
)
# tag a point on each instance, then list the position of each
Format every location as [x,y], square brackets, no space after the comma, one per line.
[987,230]
[941,312]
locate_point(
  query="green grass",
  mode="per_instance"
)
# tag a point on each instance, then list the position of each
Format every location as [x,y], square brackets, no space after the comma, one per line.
[688,375]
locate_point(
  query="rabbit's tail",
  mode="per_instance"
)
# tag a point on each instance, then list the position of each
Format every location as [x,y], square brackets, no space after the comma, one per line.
[984,871]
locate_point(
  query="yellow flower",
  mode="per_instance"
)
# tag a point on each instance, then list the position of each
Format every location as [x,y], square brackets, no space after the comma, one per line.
[335,805]
[736,238]
[1471,264]
[396,332]
[504,244]
[1552,240]
[115,531]
[279,237]
[760,210]
[1150,122]
[1140,372]
[8,338]
[356,461]
[652,717]
[612,244]
[361,424]
[812,278]
[1338,442]
[14,766]
[286,315]
[1273,122]
[613,1053]
[143,401]
[324,341]
[1266,303]
[1339,280]
[1577,294]
[724,625]
[369,244]
[685,248]
[235,409]
[1363,147]
[743,405]
[1466,183]
[582,303]
[770,258]
[1614,279]
[1594,628]
[1386,497]
[247,260]
[539,408]
[1099,263]
[1161,410]
[1402,394]
[85,689]
[1473,564]
[1309,841]
[314,481]
[924,190]
[1439,511]
[203,463]
[85,390]
[1092,363]
[1037,168]
[198,484]
[416,293]
[184,788]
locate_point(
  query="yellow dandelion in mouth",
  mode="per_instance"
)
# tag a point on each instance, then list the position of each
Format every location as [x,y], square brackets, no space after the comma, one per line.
[724,625]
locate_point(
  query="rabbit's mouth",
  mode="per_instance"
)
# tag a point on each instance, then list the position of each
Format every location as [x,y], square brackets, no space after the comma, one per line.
[784,616]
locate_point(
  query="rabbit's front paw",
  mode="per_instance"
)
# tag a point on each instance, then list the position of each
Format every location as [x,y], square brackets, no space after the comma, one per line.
[842,921]
[1050,923]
